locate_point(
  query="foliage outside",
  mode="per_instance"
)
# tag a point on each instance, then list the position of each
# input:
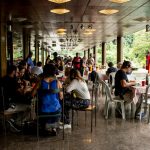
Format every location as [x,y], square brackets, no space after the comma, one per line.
[135,48]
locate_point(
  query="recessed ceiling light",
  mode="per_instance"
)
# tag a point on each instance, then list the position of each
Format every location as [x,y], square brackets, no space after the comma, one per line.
[119,1]
[90,30]
[59,1]
[108,11]
[87,33]
[61,30]
[60,11]
[61,33]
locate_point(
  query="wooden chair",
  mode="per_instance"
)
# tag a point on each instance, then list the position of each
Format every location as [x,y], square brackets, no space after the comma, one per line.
[92,107]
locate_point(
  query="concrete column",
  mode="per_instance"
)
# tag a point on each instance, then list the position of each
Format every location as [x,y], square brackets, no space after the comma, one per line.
[103,53]
[84,53]
[88,53]
[119,49]
[26,42]
[36,49]
[3,38]
[10,47]
[42,55]
[45,54]
[29,41]
[94,54]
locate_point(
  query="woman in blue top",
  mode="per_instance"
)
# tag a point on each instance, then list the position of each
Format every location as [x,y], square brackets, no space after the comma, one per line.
[49,94]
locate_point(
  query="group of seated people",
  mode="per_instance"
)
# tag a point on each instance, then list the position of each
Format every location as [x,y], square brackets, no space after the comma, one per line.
[50,95]
[20,86]
[22,83]
[122,86]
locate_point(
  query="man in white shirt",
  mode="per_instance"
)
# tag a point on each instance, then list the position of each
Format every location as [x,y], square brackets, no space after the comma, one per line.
[37,70]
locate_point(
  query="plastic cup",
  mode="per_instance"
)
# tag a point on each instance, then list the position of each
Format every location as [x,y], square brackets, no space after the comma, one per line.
[143,83]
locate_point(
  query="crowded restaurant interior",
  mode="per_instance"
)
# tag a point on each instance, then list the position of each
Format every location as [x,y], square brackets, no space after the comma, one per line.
[58,89]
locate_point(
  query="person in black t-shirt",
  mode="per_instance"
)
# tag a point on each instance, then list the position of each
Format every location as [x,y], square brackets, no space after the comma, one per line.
[122,85]
[9,83]
[10,87]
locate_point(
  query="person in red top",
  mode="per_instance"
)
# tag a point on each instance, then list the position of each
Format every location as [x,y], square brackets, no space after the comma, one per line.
[76,63]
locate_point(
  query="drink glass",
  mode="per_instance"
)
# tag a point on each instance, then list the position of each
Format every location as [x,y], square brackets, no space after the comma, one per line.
[143,83]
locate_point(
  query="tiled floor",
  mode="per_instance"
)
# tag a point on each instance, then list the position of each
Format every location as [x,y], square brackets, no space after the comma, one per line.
[111,134]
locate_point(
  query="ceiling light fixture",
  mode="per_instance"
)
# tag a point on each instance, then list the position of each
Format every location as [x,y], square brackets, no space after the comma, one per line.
[60,11]
[61,33]
[108,11]
[87,33]
[90,30]
[59,1]
[119,1]
[61,30]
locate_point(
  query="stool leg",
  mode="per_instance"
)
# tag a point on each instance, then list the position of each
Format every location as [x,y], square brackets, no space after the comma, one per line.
[107,109]
[4,124]
[95,117]
[123,110]
[72,119]
[141,111]
[91,121]
[77,118]
[148,113]
[37,128]
[85,117]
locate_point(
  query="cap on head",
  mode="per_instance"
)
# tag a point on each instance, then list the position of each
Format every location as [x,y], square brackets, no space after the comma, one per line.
[126,64]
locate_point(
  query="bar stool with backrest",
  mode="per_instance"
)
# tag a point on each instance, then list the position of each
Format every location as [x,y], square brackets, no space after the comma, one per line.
[91,108]
[109,100]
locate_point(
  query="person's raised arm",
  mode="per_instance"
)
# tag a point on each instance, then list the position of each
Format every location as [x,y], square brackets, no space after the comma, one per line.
[124,83]
[71,86]
[59,85]
[36,87]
